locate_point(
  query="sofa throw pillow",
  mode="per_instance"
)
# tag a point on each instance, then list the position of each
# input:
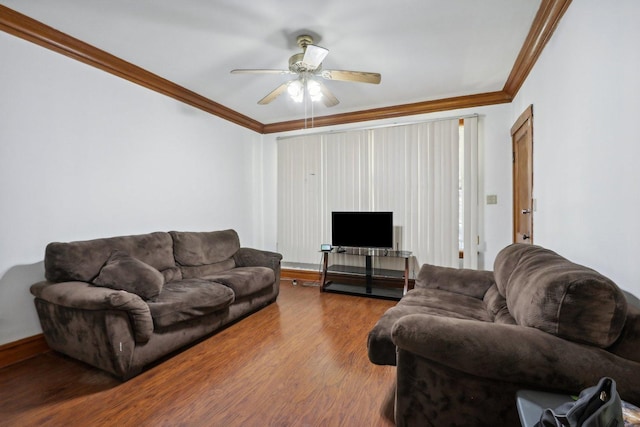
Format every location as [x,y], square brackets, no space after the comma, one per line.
[124,272]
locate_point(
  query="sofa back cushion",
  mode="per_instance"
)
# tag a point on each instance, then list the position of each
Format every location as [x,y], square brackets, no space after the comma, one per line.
[82,260]
[203,253]
[197,271]
[548,292]
[473,283]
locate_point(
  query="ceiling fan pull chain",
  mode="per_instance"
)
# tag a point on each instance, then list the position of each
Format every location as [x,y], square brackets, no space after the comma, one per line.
[312,116]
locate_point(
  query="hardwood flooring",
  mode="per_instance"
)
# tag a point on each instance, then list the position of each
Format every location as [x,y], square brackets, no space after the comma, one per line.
[301,361]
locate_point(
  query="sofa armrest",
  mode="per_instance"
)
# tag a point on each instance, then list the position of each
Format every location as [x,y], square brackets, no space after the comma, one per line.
[248,257]
[473,283]
[82,295]
[515,354]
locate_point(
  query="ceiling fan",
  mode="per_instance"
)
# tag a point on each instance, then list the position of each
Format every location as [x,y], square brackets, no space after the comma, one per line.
[308,68]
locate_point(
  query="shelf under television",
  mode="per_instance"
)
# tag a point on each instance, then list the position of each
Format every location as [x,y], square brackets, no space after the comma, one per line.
[367,280]
[353,270]
[364,291]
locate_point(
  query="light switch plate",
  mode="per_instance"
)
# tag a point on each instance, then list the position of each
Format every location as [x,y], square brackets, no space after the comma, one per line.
[492,199]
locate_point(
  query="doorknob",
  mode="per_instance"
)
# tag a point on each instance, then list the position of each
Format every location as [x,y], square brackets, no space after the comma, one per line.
[525,236]
[526,211]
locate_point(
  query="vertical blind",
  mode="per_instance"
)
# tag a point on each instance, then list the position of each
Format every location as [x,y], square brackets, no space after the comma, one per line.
[411,170]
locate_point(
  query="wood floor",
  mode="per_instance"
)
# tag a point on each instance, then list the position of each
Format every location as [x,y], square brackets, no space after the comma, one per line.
[299,362]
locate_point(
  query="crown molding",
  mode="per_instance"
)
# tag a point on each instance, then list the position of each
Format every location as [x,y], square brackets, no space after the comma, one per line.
[455,103]
[542,28]
[29,29]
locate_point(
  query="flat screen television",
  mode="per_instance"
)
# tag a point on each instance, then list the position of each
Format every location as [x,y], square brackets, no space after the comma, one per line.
[362,229]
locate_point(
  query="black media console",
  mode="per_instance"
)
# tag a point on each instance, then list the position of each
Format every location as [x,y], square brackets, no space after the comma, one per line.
[368,273]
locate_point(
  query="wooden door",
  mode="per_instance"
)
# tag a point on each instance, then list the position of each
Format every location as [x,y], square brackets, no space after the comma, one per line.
[522,143]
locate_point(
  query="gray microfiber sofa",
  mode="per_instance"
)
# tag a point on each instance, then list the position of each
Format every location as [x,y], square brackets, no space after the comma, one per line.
[121,303]
[465,341]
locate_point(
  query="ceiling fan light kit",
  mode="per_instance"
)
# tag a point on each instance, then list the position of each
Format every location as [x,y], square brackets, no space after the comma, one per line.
[298,89]
[313,87]
[307,65]
[295,90]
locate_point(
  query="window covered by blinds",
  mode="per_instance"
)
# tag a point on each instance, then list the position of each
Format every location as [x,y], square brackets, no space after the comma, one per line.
[411,170]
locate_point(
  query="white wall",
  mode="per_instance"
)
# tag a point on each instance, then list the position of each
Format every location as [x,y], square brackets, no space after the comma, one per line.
[585,92]
[495,166]
[84,154]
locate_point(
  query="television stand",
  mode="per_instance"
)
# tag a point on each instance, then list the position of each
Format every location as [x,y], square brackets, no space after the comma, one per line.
[368,273]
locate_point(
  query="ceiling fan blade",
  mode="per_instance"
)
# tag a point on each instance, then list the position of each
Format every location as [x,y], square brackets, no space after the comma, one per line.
[313,56]
[273,94]
[328,98]
[259,71]
[351,76]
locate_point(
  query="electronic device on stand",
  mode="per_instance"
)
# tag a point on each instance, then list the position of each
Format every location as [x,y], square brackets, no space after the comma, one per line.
[369,235]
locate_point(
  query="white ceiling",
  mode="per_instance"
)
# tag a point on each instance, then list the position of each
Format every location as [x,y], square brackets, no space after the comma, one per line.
[424,49]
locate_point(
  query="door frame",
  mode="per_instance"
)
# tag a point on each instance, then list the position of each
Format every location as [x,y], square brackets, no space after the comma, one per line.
[525,119]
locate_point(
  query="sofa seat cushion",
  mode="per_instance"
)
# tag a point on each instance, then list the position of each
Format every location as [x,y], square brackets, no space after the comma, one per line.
[628,342]
[244,280]
[382,350]
[186,299]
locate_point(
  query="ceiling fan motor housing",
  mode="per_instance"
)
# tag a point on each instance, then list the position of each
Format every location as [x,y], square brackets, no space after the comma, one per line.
[304,40]
[296,65]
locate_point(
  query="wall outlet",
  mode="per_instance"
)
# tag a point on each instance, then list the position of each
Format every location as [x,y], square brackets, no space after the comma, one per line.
[492,199]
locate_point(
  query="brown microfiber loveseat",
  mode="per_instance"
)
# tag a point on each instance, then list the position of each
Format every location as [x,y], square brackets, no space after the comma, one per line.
[465,341]
[121,303]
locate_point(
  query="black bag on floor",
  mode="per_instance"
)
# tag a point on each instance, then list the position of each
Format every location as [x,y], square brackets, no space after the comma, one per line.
[598,406]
